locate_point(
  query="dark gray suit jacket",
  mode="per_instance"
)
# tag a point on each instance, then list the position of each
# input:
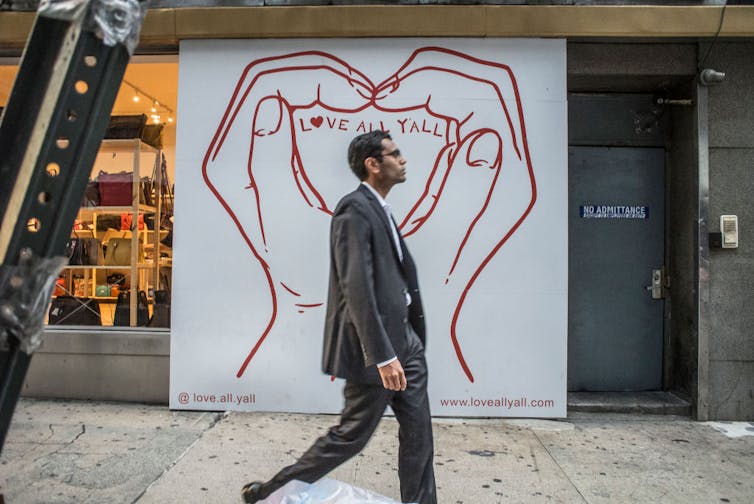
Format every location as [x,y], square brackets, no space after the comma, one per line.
[367,314]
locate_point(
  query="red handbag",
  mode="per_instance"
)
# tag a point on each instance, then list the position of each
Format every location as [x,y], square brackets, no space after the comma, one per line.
[115,189]
[126,219]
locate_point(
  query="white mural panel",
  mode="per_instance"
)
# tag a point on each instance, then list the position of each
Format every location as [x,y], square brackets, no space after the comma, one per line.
[263,129]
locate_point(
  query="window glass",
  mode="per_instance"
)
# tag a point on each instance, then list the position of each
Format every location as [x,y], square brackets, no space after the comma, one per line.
[120,249]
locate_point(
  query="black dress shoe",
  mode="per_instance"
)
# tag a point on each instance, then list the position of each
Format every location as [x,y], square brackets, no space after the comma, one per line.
[251,492]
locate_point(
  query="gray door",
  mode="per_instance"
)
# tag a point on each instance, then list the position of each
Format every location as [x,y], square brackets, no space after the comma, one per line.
[616,240]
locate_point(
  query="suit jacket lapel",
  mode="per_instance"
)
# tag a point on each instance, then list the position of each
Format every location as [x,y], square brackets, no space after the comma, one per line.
[383,218]
[408,261]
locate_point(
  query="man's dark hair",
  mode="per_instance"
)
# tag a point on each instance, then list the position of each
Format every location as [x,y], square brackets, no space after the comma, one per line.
[365,146]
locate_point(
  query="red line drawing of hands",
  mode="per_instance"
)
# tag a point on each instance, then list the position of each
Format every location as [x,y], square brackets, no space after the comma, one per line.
[485,162]
[269,91]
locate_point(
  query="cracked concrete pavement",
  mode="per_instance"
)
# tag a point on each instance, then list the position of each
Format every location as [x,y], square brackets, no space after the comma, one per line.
[94,452]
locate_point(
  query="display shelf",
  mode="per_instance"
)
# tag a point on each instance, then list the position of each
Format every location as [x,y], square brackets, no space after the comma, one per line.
[145,265]
[89,212]
[99,298]
[117,156]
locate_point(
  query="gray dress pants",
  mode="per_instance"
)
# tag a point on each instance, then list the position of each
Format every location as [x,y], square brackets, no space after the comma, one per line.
[363,410]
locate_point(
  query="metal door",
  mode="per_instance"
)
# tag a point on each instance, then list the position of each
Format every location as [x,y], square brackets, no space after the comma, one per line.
[616,241]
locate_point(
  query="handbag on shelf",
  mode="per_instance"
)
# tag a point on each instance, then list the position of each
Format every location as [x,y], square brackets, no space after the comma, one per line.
[105,222]
[161,309]
[126,221]
[60,287]
[91,195]
[70,310]
[114,233]
[162,192]
[152,135]
[168,240]
[123,309]
[74,249]
[102,291]
[115,189]
[84,252]
[146,194]
[92,254]
[119,252]
[135,126]
[117,282]
[126,126]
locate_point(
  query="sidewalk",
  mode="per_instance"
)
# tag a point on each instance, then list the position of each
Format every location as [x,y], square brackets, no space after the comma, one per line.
[93,452]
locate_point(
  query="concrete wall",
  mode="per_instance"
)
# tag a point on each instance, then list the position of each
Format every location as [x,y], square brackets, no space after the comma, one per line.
[681,330]
[731,142]
[127,365]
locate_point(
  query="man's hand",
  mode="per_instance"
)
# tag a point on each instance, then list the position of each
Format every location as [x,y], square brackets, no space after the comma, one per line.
[393,377]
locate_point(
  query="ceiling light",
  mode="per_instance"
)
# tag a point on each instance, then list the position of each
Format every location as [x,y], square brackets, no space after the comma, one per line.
[156,109]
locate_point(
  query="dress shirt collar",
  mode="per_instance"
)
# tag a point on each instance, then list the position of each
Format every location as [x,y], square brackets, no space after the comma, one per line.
[380,199]
[389,214]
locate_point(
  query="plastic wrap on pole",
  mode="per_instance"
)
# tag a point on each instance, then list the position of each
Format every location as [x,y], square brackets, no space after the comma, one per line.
[65,10]
[115,21]
[119,21]
[325,491]
[25,291]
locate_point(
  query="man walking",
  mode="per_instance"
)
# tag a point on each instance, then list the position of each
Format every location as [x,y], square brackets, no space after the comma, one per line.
[374,332]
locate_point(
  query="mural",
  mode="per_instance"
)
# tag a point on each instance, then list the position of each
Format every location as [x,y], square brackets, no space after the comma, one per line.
[274,161]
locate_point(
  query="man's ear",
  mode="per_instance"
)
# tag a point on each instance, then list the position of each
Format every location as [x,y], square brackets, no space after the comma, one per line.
[372,165]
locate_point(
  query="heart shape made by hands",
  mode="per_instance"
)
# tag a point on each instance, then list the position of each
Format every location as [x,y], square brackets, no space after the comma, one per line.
[443,62]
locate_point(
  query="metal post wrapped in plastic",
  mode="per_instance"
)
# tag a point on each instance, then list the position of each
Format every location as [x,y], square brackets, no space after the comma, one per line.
[25,291]
[50,132]
[73,41]
[325,491]
[115,21]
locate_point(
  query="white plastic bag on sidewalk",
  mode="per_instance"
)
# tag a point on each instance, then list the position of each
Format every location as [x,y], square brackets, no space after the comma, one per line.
[325,491]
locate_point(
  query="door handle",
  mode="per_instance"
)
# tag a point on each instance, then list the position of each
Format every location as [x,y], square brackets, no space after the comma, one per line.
[656,286]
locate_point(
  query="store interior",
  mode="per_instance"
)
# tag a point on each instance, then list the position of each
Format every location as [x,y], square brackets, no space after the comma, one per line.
[132,290]
[146,77]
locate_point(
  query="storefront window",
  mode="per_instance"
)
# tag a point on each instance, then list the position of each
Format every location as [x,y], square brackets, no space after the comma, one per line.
[120,249]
